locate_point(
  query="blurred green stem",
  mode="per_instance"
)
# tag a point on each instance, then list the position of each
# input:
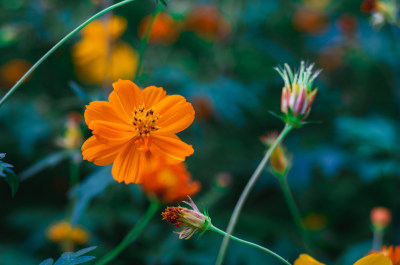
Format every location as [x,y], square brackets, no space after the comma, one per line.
[377,239]
[55,47]
[219,231]
[246,191]
[133,234]
[145,39]
[295,212]
[73,172]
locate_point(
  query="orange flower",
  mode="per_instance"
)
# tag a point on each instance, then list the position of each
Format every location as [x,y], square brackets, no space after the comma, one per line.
[208,23]
[169,183]
[309,21]
[165,29]
[134,127]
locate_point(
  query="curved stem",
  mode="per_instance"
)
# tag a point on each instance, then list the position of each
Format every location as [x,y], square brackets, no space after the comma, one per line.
[246,192]
[145,39]
[133,234]
[295,212]
[55,47]
[215,229]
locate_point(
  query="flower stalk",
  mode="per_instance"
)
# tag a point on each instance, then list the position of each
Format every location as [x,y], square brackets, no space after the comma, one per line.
[295,212]
[246,191]
[133,234]
[55,47]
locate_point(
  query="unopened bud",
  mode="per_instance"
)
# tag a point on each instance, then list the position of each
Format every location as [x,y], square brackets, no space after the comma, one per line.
[380,217]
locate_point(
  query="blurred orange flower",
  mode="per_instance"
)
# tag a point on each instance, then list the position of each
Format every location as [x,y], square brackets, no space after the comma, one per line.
[169,183]
[135,128]
[100,55]
[12,71]
[208,23]
[392,252]
[309,21]
[165,29]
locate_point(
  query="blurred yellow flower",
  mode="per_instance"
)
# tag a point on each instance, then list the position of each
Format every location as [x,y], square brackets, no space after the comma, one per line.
[63,232]
[373,259]
[101,56]
[73,136]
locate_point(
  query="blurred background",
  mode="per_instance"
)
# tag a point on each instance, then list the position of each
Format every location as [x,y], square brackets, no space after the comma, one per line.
[219,55]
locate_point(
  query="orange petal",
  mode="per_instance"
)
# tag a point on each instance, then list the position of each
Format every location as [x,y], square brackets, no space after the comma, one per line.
[98,153]
[171,147]
[176,114]
[374,259]
[102,110]
[130,164]
[112,133]
[126,96]
[152,95]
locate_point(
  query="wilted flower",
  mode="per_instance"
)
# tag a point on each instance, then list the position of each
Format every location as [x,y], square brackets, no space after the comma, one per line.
[63,232]
[135,128]
[279,160]
[380,217]
[382,11]
[298,94]
[101,56]
[373,259]
[169,183]
[165,30]
[189,220]
[207,22]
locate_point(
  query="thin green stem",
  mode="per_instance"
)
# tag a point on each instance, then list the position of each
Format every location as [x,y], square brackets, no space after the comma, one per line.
[246,191]
[133,234]
[295,212]
[377,239]
[55,47]
[73,172]
[219,231]
[145,39]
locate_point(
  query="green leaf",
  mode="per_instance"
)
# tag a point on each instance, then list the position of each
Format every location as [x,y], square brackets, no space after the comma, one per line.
[9,175]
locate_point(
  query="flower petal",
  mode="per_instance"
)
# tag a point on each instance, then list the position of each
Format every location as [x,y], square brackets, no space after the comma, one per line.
[126,96]
[130,164]
[374,259]
[171,147]
[112,133]
[98,153]
[152,95]
[103,111]
[176,114]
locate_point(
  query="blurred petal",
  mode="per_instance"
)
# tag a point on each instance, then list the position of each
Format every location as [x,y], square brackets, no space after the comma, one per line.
[374,259]
[305,259]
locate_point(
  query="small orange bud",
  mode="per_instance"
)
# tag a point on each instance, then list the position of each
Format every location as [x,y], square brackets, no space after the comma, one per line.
[380,217]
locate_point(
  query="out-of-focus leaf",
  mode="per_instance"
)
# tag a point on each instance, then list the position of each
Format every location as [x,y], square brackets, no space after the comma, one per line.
[82,95]
[49,161]
[47,262]
[88,189]
[70,258]
[9,175]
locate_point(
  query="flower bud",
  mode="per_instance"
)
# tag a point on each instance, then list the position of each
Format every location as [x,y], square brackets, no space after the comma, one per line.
[380,218]
[297,94]
[189,220]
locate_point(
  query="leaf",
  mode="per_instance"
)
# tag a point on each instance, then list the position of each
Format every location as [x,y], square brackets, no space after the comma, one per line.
[82,95]
[89,189]
[49,161]
[71,258]
[9,175]
[47,262]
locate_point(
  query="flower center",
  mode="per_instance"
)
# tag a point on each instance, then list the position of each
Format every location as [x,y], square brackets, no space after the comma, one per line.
[145,121]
